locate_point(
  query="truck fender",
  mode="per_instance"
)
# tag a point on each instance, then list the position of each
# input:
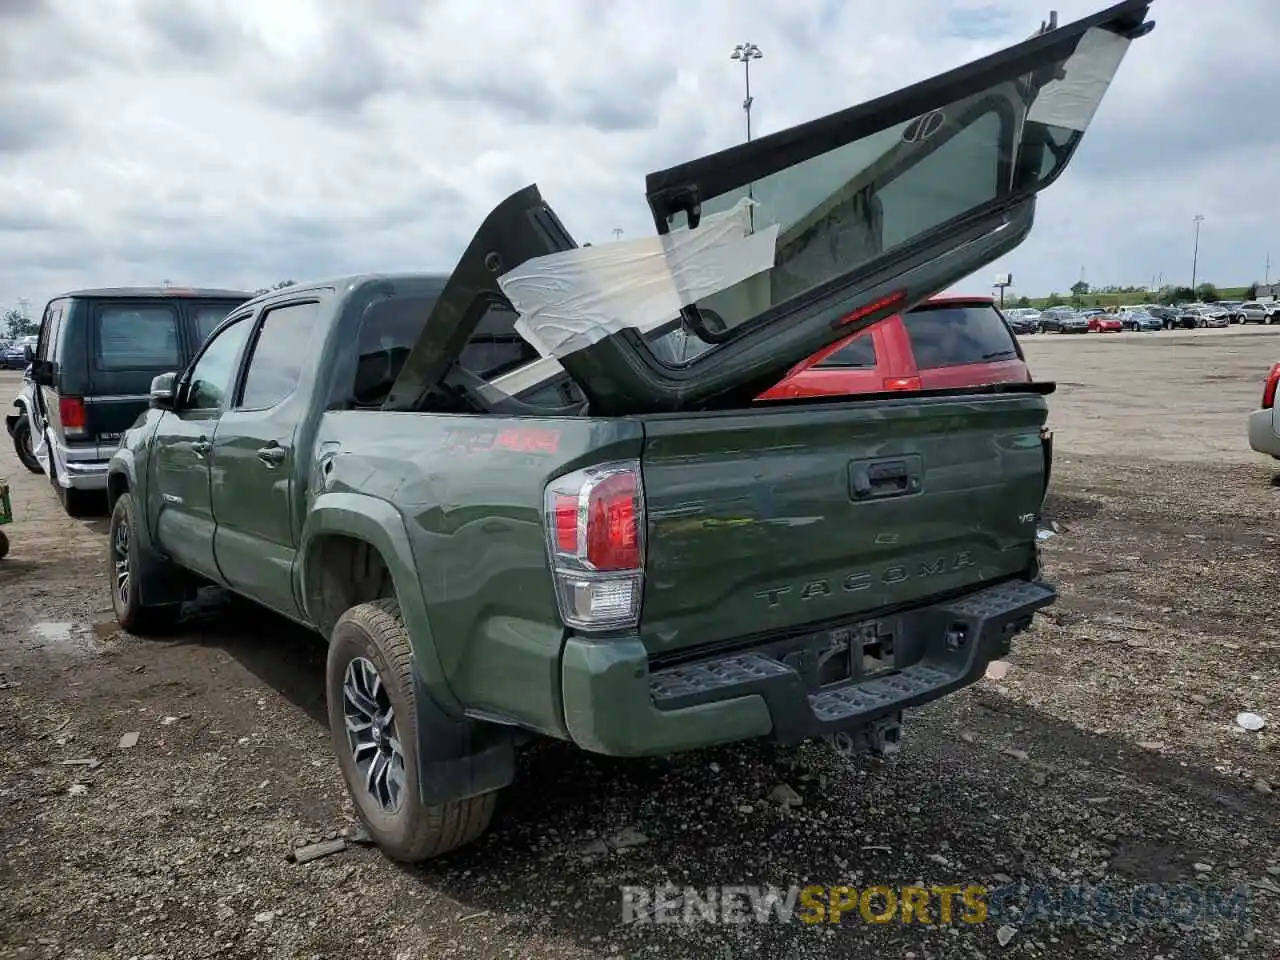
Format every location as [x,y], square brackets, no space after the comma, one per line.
[457,757]
[160,581]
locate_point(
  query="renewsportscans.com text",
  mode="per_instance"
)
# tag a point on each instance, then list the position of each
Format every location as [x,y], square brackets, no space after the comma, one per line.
[1186,904]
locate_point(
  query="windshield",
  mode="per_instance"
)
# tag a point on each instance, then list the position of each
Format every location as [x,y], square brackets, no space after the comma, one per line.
[845,208]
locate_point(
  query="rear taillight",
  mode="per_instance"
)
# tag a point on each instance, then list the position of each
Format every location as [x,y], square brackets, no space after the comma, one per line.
[595,534]
[71,414]
[902,383]
[1269,389]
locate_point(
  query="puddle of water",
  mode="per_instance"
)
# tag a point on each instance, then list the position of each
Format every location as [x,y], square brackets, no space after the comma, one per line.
[57,636]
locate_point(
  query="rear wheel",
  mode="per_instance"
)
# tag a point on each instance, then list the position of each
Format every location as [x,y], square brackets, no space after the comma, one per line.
[22,445]
[373,718]
[4,545]
[128,566]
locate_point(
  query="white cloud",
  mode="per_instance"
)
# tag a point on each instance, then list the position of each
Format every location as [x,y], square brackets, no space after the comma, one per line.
[234,143]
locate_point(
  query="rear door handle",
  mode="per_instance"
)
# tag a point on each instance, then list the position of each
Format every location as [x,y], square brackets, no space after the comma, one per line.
[201,448]
[272,454]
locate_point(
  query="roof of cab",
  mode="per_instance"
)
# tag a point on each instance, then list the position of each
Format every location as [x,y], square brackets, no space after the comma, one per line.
[149,292]
[349,283]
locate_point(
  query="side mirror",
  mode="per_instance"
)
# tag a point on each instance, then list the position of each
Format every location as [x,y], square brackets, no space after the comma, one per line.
[27,353]
[163,391]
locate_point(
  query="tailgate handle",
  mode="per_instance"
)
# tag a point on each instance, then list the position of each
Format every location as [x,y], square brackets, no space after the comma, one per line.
[873,479]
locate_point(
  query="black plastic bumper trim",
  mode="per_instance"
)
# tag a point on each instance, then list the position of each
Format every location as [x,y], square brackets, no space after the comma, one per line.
[936,650]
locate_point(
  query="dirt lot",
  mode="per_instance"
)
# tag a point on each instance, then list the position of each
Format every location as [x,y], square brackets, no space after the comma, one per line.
[1108,756]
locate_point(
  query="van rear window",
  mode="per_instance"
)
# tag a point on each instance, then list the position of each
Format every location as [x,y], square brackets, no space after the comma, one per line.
[138,337]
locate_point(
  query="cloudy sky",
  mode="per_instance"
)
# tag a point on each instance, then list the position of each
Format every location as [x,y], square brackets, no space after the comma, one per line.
[238,142]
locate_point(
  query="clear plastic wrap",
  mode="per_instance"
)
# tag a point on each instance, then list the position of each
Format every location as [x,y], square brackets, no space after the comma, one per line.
[568,301]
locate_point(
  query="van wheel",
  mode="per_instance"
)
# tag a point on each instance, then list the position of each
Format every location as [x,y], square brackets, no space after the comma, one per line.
[128,566]
[4,545]
[22,445]
[77,504]
[374,723]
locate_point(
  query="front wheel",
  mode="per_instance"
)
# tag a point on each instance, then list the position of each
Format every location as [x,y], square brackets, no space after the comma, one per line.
[22,445]
[373,719]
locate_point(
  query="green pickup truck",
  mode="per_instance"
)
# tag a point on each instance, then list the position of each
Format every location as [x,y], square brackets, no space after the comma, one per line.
[512,511]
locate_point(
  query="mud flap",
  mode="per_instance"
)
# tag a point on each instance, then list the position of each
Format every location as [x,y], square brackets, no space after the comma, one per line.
[458,759]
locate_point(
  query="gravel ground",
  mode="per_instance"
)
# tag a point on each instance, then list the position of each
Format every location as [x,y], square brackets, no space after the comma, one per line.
[1108,755]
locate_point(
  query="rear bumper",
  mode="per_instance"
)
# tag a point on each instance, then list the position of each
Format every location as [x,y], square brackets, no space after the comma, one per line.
[1262,433]
[79,467]
[614,704]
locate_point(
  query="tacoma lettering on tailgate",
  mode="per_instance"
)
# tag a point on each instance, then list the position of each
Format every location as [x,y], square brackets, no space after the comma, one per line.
[864,579]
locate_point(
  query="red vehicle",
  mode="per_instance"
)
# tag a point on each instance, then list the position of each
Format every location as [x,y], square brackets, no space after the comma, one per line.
[1105,323]
[948,341]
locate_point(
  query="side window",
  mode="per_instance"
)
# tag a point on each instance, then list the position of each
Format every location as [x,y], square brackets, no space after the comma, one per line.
[954,335]
[495,348]
[207,319]
[138,337]
[388,330]
[213,373]
[53,342]
[279,353]
[55,335]
[46,327]
[858,352]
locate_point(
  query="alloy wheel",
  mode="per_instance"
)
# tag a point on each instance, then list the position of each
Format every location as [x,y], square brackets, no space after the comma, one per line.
[120,562]
[372,734]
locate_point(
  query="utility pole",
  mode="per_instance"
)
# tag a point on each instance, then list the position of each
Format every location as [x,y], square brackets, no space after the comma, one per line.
[1268,280]
[617,233]
[745,53]
[1195,250]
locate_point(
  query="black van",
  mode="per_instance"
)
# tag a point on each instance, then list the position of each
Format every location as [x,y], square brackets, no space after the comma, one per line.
[91,373]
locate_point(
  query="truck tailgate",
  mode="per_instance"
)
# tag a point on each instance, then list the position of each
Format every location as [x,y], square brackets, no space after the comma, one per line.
[774,518]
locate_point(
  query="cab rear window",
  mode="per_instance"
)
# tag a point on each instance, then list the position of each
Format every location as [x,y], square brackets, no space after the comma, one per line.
[950,335]
[138,337]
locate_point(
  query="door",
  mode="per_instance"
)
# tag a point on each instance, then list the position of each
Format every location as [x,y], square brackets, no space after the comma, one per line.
[863,213]
[44,396]
[179,501]
[255,470]
[129,343]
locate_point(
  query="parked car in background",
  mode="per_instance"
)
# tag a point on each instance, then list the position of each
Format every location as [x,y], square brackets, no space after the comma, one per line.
[93,363]
[1137,319]
[1273,311]
[1232,307]
[1209,315]
[14,356]
[1251,311]
[1264,423]
[1023,320]
[1063,320]
[1104,323]
[1170,317]
[947,342]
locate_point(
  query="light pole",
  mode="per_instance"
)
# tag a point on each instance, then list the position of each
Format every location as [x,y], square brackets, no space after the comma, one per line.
[617,233]
[1195,250]
[745,53]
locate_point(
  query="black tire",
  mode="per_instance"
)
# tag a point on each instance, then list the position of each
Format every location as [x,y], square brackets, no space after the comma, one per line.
[134,616]
[407,829]
[77,504]
[4,545]
[22,445]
